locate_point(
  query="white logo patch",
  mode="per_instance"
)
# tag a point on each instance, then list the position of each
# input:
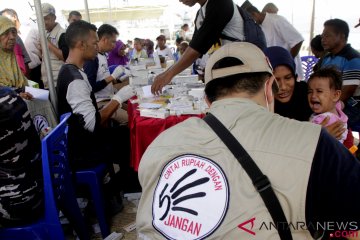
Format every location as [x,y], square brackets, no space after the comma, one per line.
[191,198]
[40,123]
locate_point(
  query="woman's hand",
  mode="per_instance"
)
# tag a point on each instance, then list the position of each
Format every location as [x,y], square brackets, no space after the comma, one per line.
[26,95]
[336,129]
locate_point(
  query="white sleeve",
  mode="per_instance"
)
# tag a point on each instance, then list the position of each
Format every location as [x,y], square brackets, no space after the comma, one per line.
[78,97]
[170,55]
[287,32]
[32,45]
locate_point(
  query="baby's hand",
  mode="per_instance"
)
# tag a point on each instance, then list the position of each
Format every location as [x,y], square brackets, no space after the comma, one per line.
[336,129]
[325,121]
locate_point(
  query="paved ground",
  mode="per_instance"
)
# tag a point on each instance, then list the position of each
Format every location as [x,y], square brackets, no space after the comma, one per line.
[122,219]
[118,222]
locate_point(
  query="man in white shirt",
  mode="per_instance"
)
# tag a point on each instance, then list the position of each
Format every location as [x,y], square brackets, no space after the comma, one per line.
[162,49]
[279,32]
[32,44]
[97,71]
[56,43]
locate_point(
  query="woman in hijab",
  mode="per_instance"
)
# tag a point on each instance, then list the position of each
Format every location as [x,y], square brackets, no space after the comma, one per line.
[149,47]
[118,56]
[291,99]
[10,72]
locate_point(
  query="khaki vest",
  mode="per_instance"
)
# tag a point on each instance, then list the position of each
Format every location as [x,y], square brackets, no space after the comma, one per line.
[282,148]
[56,64]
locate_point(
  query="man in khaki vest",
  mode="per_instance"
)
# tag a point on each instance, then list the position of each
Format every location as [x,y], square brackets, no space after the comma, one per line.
[58,48]
[194,187]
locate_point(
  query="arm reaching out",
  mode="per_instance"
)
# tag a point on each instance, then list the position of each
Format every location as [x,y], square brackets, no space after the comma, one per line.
[190,55]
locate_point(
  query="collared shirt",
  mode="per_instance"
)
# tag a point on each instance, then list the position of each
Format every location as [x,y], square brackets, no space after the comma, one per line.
[97,70]
[347,61]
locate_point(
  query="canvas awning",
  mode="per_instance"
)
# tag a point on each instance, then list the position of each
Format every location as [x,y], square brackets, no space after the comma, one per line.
[123,13]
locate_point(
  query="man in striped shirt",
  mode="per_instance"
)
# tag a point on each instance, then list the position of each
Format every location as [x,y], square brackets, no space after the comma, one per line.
[347,60]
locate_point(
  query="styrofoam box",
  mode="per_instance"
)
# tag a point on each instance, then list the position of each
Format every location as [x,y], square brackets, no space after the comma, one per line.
[154,113]
[185,79]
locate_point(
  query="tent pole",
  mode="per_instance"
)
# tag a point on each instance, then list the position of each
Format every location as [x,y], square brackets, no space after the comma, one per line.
[87,14]
[46,55]
[312,25]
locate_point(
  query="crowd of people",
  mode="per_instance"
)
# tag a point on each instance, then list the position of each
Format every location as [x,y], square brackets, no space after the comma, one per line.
[295,134]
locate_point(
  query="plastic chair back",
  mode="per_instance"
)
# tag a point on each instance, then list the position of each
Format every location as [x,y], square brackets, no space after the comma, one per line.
[308,63]
[65,115]
[92,178]
[55,154]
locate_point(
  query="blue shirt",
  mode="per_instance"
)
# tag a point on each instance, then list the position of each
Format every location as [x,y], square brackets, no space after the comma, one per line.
[347,61]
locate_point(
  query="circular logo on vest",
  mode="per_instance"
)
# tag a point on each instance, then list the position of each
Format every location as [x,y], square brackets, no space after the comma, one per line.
[40,122]
[191,198]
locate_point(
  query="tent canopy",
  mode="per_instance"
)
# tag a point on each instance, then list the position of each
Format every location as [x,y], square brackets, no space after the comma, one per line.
[124,13]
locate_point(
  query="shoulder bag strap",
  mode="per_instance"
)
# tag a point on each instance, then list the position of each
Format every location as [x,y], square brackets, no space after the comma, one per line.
[260,181]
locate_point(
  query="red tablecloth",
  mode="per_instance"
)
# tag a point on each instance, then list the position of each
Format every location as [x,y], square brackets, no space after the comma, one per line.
[144,130]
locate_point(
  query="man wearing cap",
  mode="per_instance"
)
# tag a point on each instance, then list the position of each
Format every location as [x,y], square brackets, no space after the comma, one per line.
[162,49]
[194,187]
[56,42]
[347,60]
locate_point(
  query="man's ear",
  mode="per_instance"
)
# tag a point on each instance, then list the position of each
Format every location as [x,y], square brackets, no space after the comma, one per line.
[337,95]
[207,101]
[268,89]
[80,44]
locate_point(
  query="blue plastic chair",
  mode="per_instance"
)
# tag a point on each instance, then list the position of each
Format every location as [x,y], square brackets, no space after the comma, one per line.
[308,63]
[93,179]
[54,151]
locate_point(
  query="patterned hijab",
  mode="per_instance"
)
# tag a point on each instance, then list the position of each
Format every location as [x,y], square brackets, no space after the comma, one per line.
[10,73]
[114,57]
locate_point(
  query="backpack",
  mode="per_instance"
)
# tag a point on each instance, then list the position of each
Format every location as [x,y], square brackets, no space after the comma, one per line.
[252,31]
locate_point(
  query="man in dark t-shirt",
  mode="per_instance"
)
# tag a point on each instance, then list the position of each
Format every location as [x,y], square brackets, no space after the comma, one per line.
[90,142]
